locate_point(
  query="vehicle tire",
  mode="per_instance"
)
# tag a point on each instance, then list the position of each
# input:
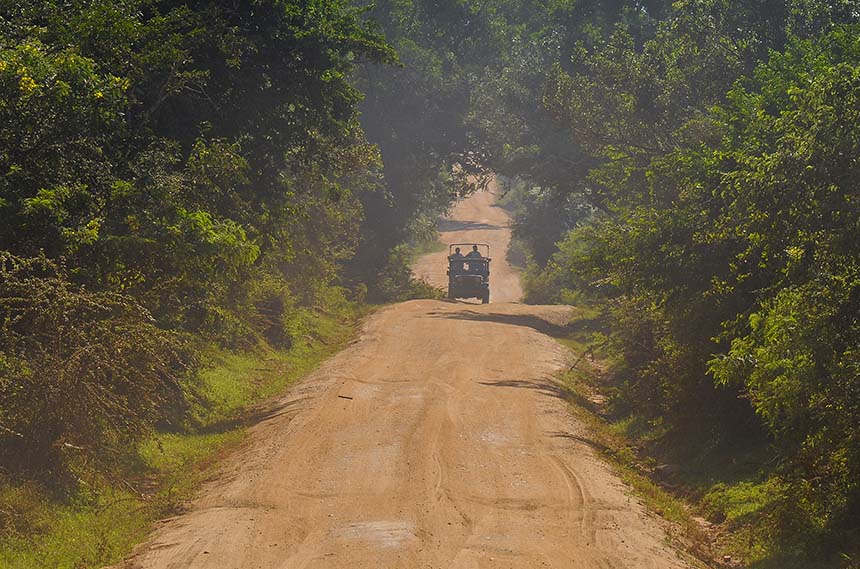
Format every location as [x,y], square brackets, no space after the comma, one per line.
[485,299]
[451,295]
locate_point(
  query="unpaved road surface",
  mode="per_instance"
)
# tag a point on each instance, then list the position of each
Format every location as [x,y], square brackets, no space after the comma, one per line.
[476,220]
[437,440]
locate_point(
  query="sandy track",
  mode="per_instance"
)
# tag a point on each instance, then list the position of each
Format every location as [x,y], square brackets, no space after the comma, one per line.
[476,220]
[438,440]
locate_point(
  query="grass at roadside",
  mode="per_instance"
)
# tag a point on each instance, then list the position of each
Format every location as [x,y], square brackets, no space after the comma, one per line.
[105,518]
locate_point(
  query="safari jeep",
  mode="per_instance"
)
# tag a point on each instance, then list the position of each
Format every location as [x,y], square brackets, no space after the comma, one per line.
[469,275]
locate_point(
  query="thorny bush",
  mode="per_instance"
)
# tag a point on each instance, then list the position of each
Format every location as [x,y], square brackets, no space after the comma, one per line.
[82,374]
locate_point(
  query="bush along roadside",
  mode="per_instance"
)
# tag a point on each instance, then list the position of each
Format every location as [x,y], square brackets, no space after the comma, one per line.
[107,470]
[727,503]
[396,282]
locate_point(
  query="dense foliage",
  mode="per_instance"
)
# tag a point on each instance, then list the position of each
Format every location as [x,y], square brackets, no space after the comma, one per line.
[177,170]
[166,168]
[170,150]
[84,374]
[691,167]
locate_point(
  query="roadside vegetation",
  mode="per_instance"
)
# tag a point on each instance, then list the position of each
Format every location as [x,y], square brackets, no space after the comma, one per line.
[688,169]
[183,177]
[111,511]
[717,504]
[192,215]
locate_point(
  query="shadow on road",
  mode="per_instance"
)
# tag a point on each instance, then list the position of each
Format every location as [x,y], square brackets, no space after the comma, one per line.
[445,225]
[527,320]
[544,386]
[582,440]
[259,415]
[574,327]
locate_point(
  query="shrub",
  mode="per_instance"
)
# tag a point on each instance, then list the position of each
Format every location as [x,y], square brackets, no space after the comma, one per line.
[82,374]
[397,283]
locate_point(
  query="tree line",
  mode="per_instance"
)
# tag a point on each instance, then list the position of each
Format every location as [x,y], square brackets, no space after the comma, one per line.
[689,169]
[176,174]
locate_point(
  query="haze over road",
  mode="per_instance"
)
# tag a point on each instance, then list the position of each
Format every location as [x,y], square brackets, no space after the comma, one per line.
[438,440]
[476,220]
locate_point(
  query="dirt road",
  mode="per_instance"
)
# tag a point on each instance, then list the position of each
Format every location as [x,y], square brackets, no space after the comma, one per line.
[476,220]
[436,441]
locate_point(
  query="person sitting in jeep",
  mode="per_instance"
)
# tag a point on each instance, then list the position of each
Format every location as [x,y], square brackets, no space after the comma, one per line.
[457,254]
[474,253]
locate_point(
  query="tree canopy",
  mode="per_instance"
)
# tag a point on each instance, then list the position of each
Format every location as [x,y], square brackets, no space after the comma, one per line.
[689,168]
[175,172]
